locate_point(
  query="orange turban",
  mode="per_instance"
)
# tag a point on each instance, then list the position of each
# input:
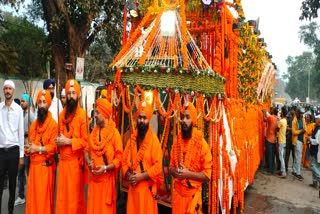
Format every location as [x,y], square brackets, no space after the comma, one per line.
[73,83]
[146,108]
[192,111]
[104,107]
[46,95]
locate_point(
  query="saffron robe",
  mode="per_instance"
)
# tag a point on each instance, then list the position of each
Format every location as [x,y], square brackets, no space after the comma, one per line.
[185,199]
[102,188]
[141,196]
[41,177]
[70,197]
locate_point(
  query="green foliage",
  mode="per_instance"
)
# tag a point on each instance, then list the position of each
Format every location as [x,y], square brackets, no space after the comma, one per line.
[297,76]
[309,9]
[26,47]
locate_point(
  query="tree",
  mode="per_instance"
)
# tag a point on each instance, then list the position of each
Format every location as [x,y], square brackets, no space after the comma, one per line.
[27,42]
[73,26]
[297,76]
[309,9]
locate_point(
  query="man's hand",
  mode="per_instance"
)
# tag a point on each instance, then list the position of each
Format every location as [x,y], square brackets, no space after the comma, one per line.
[62,140]
[183,172]
[21,163]
[136,177]
[98,170]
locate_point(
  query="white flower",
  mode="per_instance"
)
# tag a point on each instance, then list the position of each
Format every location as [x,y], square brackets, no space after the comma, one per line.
[198,72]
[131,69]
[180,71]
[155,71]
[168,70]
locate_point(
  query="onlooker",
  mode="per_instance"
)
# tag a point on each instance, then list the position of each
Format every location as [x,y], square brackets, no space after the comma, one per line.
[28,117]
[315,153]
[298,130]
[50,85]
[63,97]
[282,125]
[271,139]
[289,145]
[310,125]
[11,142]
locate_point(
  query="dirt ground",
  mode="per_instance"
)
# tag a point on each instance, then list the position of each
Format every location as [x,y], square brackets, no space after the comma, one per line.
[271,194]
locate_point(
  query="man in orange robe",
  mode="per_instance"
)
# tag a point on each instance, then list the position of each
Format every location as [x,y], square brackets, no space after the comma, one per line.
[103,156]
[71,143]
[41,148]
[190,164]
[142,164]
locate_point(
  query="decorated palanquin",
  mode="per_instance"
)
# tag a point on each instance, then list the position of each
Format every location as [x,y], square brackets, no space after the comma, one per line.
[207,53]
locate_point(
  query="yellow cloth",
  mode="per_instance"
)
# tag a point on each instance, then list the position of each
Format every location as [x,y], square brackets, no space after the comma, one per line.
[282,125]
[296,131]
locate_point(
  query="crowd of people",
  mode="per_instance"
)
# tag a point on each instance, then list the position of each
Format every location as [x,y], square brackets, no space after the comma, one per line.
[294,131]
[55,149]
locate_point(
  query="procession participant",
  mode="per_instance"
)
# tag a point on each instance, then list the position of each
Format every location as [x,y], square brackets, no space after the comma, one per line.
[11,142]
[41,148]
[103,156]
[142,164]
[190,164]
[71,142]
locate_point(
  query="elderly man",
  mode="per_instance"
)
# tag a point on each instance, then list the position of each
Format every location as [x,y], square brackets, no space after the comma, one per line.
[11,141]
[190,164]
[71,143]
[142,164]
[28,117]
[103,156]
[41,148]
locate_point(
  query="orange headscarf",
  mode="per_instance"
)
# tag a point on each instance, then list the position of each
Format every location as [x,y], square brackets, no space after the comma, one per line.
[104,107]
[46,95]
[73,83]
[192,111]
[146,108]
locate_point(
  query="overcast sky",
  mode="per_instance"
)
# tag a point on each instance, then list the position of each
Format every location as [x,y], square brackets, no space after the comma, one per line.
[279,26]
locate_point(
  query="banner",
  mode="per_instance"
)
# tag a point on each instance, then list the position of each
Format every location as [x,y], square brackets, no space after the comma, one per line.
[79,69]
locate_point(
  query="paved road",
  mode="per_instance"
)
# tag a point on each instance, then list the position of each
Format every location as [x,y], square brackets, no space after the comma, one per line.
[267,195]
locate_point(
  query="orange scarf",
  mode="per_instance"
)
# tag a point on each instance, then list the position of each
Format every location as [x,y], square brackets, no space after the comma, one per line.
[65,121]
[143,147]
[188,150]
[100,146]
[36,137]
